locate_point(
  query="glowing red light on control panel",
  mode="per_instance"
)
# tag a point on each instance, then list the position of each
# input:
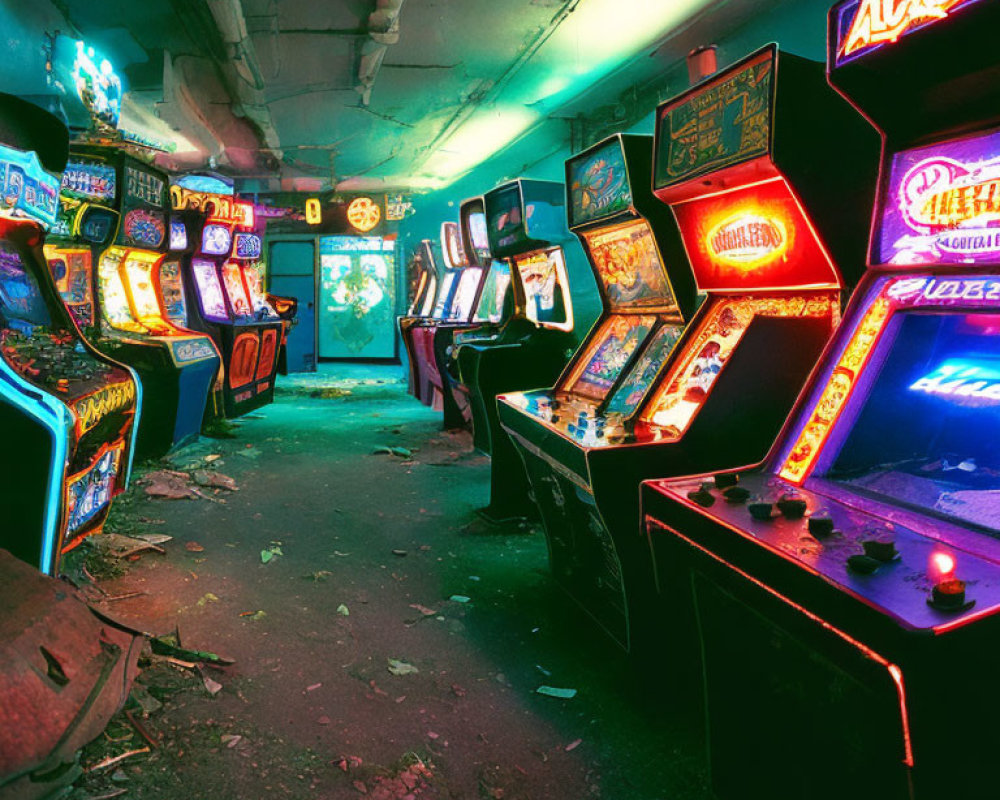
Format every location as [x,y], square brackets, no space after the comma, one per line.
[942,565]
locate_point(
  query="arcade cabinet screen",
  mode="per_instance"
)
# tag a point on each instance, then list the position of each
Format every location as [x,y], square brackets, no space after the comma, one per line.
[430,295]
[441,305]
[925,435]
[216,240]
[140,277]
[247,245]
[942,204]
[617,340]
[505,222]
[144,222]
[629,267]
[494,290]
[253,283]
[212,302]
[465,294]
[22,304]
[172,290]
[72,270]
[633,388]
[235,290]
[480,241]
[178,235]
[114,300]
[546,288]
[89,179]
[598,185]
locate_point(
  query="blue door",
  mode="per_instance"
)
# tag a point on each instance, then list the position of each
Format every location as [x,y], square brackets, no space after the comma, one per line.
[292,267]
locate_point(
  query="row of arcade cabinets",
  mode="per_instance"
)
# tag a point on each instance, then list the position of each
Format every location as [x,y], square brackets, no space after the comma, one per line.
[848,610]
[218,292]
[472,295]
[529,346]
[68,411]
[658,387]
[107,256]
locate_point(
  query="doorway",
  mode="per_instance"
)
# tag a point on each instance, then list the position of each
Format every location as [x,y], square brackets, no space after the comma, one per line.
[292,268]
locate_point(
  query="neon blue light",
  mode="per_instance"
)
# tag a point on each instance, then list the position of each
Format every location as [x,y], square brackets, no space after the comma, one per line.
[26,189]
[135,423]
[204,183]
[34,403]
[965,381]
[97,84]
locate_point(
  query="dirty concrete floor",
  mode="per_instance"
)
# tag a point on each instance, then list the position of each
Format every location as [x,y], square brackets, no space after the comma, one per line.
[377,552]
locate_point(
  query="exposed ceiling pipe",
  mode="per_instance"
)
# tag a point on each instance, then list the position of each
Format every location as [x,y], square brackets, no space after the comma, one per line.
[180,111]
[383,30]
[250,101]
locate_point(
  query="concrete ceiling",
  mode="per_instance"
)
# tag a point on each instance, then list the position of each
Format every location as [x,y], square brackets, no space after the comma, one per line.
[366,94]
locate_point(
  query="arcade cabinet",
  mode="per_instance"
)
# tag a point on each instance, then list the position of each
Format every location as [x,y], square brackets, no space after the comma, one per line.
[764,231]
[69,415]
[226,302]
[112,290]
[525,223]
[848,608]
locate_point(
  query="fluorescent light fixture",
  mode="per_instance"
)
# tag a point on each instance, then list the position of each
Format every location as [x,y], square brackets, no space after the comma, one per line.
[590,42]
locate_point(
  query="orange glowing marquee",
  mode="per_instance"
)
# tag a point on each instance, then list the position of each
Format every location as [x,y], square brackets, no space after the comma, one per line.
[867,24]
[754,237]
[363,213]
[220,208]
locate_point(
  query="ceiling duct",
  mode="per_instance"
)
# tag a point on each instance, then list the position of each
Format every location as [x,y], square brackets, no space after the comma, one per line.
[181,112]
[383,30]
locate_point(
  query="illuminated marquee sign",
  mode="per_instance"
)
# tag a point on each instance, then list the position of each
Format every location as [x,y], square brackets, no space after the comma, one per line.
[753,238]
[747,240]
[896,294]
[314,211]
[91,180]
[143,186]
[943,204]
[219,207]
[598,184]
[971,382]
[26,189]
[247,245]
[363,213]
[864,25]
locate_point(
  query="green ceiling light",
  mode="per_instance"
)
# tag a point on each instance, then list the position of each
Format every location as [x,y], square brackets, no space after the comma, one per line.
[588,43]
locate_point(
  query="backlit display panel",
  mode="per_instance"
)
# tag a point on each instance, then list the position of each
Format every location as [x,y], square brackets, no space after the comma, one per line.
[213,304]
[942,204]
[252,279]
[246,246]
[494,290]
[691,378]
[216,240]
[598,184]
[633,388]
[22,305]
[754,237]
[617,340]
[505,222]
[629,268]
[451,245]
[172,289]
[178,235]
[91,180]
[113,297]
[725,122]
[477,231]
[232,280]
[926,431]
[139,272]
[546,288]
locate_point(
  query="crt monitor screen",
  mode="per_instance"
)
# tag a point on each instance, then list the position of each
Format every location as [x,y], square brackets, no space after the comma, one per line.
[495,288]
[610,350]
[22,304]
[546,288]
[637,383]
[442,304]
[216,240]
[926,432]
[465,294]
[628,266]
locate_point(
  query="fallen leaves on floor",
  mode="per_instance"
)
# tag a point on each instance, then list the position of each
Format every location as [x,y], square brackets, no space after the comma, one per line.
[268,553]
[397,667]
[116,545]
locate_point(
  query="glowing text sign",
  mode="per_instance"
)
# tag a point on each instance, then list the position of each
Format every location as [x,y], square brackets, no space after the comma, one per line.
[219,207]
[864,25]
[966,381]
[26,189]
[747,240]
[943,204]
